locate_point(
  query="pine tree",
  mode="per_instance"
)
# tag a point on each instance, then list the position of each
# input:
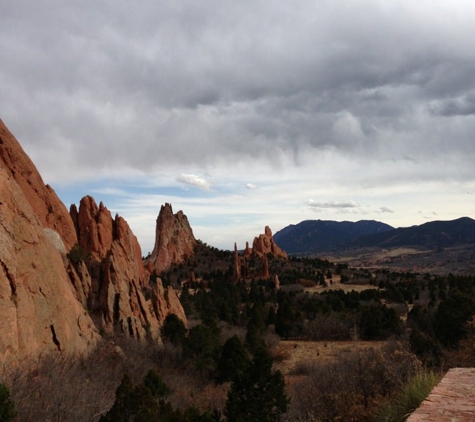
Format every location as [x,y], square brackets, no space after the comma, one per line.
[132,404]
[233,360]
[258,395]
[173,329]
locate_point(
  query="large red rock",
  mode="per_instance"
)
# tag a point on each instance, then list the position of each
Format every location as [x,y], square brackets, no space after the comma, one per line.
[174,241]
[119,289]
[265,244]
[38,308]
[50,211]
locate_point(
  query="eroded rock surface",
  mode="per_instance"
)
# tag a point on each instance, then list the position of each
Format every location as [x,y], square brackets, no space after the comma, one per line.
[264,244]
[174,241]
[117,287]
[52,301]
[38,307]
[50,211]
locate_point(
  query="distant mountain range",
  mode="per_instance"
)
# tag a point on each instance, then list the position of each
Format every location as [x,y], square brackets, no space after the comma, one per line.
[320,236]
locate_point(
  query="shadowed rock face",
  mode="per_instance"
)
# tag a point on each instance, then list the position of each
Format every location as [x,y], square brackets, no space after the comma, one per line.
[174,241]
[46,300]
[38,307]
[117,286]
[50,211]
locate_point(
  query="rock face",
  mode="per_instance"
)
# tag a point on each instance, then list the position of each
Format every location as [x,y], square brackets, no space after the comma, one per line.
[50,211]
[265,244]
[38,308]
[115,286]
[174,241]
[51,301]
[262,246]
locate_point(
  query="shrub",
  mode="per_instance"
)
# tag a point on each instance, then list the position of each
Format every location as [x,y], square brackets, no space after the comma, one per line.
[77,254]
[7,407]
[414,393]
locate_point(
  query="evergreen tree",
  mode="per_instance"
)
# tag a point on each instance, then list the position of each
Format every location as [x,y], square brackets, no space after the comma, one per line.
[132,404]
[155,384]
[202,345]
[233,360]
[173,329]
[451,318]
[258,394]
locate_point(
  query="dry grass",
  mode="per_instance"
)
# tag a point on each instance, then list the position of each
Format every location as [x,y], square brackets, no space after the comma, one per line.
[297,353]
[336,285]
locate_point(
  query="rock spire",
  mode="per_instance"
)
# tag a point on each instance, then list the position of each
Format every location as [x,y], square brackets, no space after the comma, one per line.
[174,241]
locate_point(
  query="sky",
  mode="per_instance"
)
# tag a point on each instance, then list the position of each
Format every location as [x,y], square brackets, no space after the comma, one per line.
[244,114]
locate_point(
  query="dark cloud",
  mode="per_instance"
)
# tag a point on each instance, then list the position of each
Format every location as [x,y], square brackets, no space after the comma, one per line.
[116,86]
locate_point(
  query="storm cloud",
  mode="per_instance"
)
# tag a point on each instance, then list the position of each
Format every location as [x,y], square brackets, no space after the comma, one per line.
[375,96]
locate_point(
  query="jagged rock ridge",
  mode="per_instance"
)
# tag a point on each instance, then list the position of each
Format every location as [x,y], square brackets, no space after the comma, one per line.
[38,308]
[114,285]
[46,301]
[262,246]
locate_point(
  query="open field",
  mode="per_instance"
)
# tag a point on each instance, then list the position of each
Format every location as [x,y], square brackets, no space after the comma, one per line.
[292,353]
[336,285]
[456,259]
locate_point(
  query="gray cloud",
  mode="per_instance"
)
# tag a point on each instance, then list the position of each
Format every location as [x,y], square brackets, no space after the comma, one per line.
[112,88]
[332,204]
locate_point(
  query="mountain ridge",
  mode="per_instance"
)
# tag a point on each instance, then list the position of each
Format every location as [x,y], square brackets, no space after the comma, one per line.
[324,236]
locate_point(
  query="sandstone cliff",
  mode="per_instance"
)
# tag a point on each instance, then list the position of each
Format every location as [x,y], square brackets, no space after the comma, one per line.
[174,241]
[50,211]
[115,286]
[38,308]
[47,298]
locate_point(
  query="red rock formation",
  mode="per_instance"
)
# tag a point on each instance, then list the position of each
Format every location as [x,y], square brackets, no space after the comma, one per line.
[38,309]
[46,300]
[118,289]
[261,247]
[237,264]
[265,244]
[50,211]
[174,241]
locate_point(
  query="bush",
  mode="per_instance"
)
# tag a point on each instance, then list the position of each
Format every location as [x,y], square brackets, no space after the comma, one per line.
[7,407]
[415,392]
[77,254]
[351,388]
